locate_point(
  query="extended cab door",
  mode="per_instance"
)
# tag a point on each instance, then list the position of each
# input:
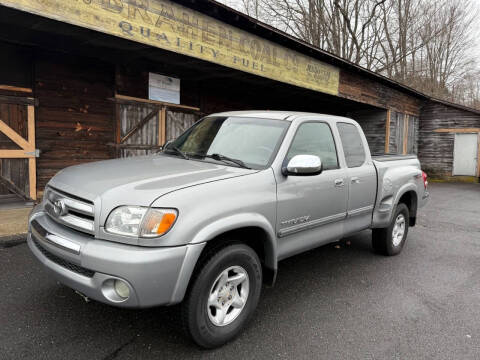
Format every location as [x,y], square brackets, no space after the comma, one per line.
[361,178]
[311,209]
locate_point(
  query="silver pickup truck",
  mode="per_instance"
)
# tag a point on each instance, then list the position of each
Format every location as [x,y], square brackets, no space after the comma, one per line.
[206,221]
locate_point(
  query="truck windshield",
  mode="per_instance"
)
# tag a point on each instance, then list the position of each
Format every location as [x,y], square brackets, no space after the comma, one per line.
[236,141]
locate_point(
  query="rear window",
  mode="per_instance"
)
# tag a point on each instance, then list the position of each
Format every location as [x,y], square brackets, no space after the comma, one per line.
[352,144]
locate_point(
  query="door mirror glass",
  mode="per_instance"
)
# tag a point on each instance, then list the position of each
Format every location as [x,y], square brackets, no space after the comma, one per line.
[304,165]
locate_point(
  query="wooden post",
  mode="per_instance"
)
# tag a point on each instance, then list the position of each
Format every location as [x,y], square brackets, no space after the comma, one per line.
[32,162]
[387,132]
[118,129]
[163,125]
[405,134]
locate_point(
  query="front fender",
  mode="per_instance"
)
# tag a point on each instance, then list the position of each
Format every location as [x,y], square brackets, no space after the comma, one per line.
[239,221]
[219,227]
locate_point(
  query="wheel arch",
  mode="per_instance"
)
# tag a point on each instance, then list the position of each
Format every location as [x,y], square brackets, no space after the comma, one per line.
[251,229]
[242,224]
[410,199]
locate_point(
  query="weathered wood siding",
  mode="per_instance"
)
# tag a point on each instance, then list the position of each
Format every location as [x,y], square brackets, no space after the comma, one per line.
[373,124]
[178,122]
[355,86]
[74,119]
[436,148]
[131,115]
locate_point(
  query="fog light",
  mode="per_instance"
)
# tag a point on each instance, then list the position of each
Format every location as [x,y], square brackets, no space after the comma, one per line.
[121,288]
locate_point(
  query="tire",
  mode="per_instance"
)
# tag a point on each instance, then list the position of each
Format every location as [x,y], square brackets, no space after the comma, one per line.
[203,322]
[384,241]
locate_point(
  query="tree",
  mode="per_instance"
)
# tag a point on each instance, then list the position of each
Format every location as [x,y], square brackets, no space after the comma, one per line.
[424,44]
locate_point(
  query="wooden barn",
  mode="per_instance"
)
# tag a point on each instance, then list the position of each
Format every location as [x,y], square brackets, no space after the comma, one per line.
[88,80]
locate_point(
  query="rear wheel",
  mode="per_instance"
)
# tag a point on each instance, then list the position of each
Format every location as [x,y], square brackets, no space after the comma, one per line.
[390,241]
[223,295]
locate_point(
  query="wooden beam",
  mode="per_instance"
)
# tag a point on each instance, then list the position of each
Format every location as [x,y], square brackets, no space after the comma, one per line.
[17,100]
[466,130]
[163,125]
[32,162]
[387,132]
[31,125]
[159,125]
[32,177]
[15,88]
[154,102]
[142,122]
[405,134]
[118,129]
[17,139]
[15,154]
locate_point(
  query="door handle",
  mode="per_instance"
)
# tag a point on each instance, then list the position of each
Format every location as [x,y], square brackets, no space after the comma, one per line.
[339,183]
[355,180]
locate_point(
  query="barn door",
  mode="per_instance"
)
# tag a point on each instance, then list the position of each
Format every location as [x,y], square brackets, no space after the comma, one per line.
[143,126]
[138,132]
[465,154]
[17,148]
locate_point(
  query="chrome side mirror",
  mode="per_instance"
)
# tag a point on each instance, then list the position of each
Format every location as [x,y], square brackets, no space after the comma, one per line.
[304,165]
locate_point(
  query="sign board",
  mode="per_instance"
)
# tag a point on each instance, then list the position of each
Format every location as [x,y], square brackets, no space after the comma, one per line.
[176,28]
[163,88]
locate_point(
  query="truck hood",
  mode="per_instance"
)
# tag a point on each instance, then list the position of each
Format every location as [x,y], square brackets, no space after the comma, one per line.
[138,180]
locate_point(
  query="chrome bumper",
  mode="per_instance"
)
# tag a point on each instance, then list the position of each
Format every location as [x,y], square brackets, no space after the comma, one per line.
[154,276]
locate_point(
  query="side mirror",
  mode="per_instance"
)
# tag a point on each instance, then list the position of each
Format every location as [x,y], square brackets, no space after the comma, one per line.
[304,165]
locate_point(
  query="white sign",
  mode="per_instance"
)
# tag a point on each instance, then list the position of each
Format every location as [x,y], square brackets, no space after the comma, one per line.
[163,88]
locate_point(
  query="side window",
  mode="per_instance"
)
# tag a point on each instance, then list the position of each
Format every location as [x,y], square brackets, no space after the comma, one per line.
[315,138]
[352,144]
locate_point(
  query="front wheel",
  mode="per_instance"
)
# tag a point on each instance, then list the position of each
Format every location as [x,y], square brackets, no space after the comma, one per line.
[390,241]
[223,295]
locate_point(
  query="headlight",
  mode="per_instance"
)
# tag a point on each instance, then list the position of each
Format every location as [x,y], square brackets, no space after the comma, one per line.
[140,221]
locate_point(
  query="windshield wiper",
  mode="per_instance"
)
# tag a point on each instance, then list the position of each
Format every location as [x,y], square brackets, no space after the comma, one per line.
[178,151]
[220,157]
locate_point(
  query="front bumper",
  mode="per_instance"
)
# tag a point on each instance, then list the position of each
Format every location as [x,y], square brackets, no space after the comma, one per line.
[154,276]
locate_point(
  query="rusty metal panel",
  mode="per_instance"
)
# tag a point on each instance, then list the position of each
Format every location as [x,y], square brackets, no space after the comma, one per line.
[178,122]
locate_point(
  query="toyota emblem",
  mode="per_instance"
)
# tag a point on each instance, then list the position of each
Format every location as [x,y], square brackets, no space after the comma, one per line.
[59,207]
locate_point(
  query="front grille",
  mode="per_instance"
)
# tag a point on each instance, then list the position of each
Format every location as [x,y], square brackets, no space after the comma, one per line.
[70,210]
[62,262]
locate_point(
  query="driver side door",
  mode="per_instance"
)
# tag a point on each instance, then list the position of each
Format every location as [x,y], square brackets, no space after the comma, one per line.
[311,209]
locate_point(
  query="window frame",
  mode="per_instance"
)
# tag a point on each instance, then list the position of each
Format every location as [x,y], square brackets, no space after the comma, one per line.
[343,146]
[284,162]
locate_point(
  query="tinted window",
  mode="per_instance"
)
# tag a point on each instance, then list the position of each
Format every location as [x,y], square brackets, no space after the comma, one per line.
[352,144]
[315,139]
